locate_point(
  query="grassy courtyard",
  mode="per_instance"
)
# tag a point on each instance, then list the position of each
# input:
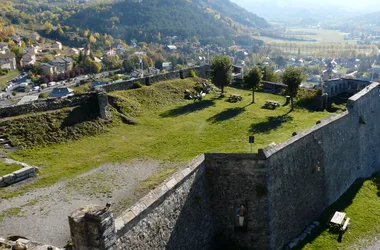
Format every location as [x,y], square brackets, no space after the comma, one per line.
[361,203]
[169,129]
[8,168]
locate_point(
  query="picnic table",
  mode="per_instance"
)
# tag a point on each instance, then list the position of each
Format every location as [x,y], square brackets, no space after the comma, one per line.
[235,98]
[337,221]
[272,104]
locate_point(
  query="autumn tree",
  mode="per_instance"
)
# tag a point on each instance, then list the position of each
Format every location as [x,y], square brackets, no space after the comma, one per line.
[292,77]
[221,71]
[253,79]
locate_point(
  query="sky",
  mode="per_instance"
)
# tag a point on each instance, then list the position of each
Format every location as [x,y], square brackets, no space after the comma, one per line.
[271,8]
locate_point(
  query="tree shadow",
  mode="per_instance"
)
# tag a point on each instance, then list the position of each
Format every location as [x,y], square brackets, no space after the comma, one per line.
[226,115]
[272,123]
[189,108]
[340,205]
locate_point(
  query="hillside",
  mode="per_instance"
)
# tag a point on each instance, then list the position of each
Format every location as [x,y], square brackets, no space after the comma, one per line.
[371,18]
[152,20]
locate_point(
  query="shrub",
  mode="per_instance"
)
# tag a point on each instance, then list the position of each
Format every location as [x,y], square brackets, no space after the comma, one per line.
[14,93]
[136,85]
[192,74]
[43,95]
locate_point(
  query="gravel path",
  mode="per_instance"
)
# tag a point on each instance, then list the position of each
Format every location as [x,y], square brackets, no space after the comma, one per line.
[41,215]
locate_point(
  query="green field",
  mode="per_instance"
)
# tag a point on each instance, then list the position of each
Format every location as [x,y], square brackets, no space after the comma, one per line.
[361,203]
[170,129]
[321,35]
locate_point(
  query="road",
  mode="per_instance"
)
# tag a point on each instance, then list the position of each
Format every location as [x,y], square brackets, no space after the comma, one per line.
[72,83]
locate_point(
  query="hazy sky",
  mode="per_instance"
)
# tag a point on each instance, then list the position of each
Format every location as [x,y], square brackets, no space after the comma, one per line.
[276,8]
[346,3]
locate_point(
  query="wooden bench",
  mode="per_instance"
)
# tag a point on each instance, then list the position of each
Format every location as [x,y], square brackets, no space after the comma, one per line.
[346,223]
[272,104]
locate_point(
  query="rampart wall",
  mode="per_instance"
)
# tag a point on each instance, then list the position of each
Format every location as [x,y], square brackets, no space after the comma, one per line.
[338,86]
[200,71]
[54,104]
[312,170]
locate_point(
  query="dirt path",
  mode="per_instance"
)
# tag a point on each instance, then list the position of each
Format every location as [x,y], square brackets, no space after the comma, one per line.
[41,215]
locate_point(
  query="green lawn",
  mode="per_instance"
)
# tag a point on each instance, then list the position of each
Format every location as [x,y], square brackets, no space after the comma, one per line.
[8,168]
[361,203]
[7,77]
[171,132]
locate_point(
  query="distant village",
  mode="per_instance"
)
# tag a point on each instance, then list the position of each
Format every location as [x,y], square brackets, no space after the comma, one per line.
[47,69]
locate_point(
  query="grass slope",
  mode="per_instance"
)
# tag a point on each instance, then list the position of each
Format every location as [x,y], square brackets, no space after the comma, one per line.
[8,168]
[39,130]
[169,129]
[361,203]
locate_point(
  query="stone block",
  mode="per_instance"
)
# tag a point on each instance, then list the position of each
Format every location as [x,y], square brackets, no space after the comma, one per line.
[316,223]
[128,216]
[171,183]
[119,224]
[8,179]
[138,208]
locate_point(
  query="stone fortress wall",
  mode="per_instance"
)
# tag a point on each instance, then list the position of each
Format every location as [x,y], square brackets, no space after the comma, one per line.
[284,187]
[335,87]
[100,95]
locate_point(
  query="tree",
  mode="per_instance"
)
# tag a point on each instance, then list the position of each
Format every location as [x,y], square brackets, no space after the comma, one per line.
[96,67]
[221,71]
[293,77]
[253,79]
[48,27]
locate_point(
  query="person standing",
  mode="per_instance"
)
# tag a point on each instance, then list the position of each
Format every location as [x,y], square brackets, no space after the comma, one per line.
[241,215]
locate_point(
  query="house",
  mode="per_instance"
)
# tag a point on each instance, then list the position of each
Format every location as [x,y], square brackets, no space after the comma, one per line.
[153,71]
[137,73]
[28,59]
[237,72]
[61,92]
[48,69]
[28,99]
[73,51]
[167,66]
[35,36]
[57,45]
[4,46]
[33,49]
[85,51]
[17,39]
[171,48]
[140,53]
[8,61]
[111,52]
[62,64]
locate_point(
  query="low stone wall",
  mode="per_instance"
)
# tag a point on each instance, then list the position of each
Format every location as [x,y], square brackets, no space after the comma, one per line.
[45,105]
[201,71]
[272,87]
[17,176]
[58,103]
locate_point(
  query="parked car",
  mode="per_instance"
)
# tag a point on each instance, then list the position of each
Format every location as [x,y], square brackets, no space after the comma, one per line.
[44,85]
[36,88]
[51,84]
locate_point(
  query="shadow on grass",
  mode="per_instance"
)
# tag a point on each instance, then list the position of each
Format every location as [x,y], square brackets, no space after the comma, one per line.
[84,113]
[272,123]
[338,103]
[189,108]
[226,115]
[340,205]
